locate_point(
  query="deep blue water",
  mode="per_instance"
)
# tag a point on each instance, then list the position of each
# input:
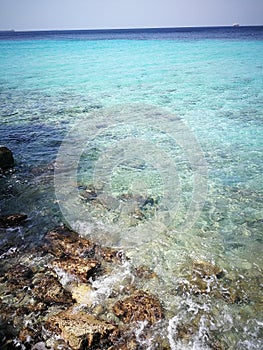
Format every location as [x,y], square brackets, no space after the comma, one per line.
[186,33]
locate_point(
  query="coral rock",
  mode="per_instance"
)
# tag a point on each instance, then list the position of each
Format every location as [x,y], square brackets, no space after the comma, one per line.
[141,306]
[81,268]
[145,272]
[48,289]
[82,293]
[17,277]
[111,255]
[63,241]
[205,269]
[81,330]
[26,334]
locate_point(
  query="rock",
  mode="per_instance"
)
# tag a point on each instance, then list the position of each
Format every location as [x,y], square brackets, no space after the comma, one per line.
[6,158]
[89,194]
[144,272]
[126,344]
[140,306]
[26,335]
[108,202]
[12,220]
[7,331]
[138,214]
[186,331]
[81,330]
[18,277]
[197,285]
[206,278]
[79,267]
[111,255]
[82,293]
[205,269]
[63,241]
[47,289]
[203,279]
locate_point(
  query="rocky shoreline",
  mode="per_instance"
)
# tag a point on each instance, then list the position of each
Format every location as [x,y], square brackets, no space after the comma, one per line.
[50,299]
[47,298]
[68,292]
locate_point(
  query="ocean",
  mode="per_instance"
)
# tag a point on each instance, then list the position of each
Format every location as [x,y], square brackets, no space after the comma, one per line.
[166,126]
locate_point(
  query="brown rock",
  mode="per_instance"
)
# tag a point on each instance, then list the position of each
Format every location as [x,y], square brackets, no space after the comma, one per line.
[186,331]
[79,267]
[27,334]
[6,158]
[207,278]
[63,241]
[81,330]
[141,306]
[205,269]
[125,344]
[111,255]
[47,289]
[203,278]
[145,272]
[17,277]
[33,306]
[197,285]
[12,220]
[82,293]
[238,292]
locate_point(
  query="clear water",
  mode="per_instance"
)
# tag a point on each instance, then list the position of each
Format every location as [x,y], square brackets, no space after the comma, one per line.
[172,115]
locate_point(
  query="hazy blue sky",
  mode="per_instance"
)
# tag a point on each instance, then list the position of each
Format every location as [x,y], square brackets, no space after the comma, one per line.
[81,14]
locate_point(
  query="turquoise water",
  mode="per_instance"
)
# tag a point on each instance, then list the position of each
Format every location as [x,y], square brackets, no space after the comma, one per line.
[173,119]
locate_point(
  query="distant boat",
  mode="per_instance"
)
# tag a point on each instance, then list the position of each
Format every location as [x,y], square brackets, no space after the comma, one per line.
[235,25]
[7,31]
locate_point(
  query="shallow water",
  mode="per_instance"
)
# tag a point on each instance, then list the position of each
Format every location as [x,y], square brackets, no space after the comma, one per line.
[164,118]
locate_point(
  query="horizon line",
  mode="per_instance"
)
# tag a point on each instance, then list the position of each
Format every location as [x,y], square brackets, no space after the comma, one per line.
[132,28]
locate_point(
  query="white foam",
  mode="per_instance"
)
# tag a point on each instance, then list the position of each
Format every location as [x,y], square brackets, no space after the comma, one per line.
[64,278]
[103,286]
[198,340]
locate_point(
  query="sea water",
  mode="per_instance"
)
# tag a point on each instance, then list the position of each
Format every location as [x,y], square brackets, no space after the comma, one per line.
[166,125]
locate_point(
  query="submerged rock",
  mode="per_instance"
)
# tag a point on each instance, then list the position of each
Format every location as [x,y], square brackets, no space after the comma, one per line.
[6,158]
[144,272]
[12,220]
[140,306]
[81,330]
[89,193]
[205,269]
[202,279]
[209,279]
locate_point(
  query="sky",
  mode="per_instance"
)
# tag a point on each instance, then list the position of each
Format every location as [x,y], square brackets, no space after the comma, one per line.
[95,14]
